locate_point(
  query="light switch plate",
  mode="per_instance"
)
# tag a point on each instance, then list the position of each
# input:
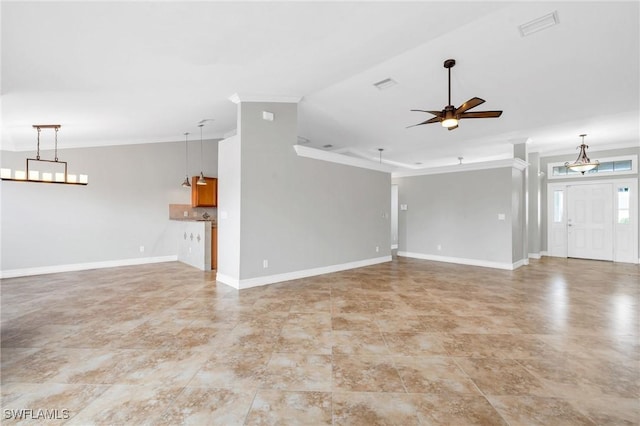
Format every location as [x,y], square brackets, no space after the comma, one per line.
[501,216]
[266,115]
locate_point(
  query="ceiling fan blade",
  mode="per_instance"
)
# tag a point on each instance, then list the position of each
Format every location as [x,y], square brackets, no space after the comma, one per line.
[436,113]
[471,103]
[481,114]
[452,128]
[429,121]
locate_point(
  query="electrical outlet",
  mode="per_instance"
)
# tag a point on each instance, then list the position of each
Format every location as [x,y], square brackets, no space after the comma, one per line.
[141,249]
[265,263]
[185,214]
[439,247]
[377,249]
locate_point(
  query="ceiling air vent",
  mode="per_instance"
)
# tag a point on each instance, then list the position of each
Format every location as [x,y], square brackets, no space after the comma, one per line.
[542,23]
[385,84]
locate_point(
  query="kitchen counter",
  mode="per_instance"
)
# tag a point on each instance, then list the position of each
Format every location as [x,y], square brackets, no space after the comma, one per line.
[213,222]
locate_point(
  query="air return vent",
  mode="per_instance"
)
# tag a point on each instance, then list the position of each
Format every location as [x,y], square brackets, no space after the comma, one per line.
[539,24]
[385,84]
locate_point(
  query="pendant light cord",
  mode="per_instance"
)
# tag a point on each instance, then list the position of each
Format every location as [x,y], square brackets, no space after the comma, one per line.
[56,145]
[38,149]
[201,125]
[186,154]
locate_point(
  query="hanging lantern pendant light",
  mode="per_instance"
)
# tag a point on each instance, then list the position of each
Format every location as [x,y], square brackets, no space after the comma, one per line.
[582,163]
[201,179]
[186,183]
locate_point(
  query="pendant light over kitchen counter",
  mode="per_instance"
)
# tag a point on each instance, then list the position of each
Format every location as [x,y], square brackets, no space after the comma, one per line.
[201,179]
[186,183]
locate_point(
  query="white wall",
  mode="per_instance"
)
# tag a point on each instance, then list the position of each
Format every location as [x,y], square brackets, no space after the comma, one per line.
[49,227]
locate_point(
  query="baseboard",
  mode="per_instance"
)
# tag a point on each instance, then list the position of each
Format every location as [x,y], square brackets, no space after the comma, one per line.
[463,261]
[241,284]
[13,273]
[534,256]
[227,280]
[519,263]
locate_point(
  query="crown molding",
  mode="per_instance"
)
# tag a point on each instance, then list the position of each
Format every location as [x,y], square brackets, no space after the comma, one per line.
[515,163]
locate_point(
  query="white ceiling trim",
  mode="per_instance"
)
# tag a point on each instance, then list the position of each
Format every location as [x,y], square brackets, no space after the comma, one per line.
[236,98]
[515,163]
[332,157]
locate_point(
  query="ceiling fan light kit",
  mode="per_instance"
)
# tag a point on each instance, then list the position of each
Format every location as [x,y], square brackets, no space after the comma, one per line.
[450,115]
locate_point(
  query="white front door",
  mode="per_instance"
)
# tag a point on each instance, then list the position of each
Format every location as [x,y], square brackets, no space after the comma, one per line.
[590,221]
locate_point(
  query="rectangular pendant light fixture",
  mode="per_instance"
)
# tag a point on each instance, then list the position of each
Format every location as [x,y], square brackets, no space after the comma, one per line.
[59,176]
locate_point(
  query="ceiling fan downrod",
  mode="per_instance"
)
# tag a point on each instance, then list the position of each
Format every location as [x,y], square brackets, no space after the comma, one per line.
[448,64]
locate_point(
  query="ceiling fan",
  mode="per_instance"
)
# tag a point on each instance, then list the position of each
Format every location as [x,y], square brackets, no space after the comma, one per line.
[450,115]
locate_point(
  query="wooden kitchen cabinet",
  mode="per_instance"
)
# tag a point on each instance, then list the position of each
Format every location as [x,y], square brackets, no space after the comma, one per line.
[204,195]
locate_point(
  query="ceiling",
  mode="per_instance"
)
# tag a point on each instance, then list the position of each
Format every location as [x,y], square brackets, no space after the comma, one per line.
[114,73]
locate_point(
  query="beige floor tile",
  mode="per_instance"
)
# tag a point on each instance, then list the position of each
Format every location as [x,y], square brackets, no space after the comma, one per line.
[208,406]
[313,320]
[62,401]
[125,404]
[232,370]
[304,340]
[404,342]
[509,346]
[372,408]
[359,343]
[354,322]
[538,410]
[501,377]
[165,368]
[436,375]
[415,344]
[273,407]
[298,372]
[454,409]
[366,373]
[610,411]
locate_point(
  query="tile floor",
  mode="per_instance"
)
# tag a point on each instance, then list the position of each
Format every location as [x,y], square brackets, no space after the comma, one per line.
[405,342]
